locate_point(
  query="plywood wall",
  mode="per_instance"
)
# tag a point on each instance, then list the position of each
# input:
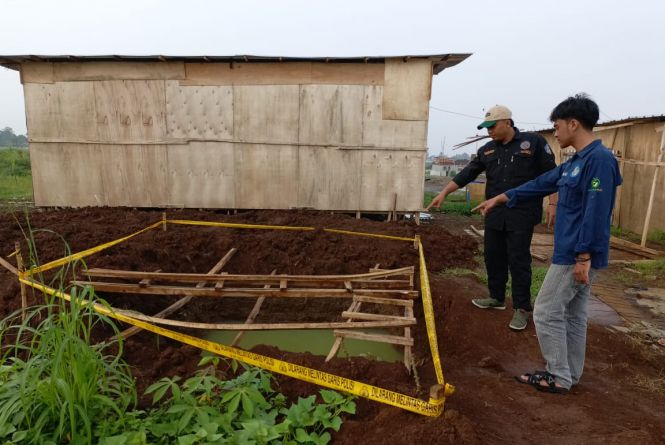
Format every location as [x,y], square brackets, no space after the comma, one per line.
[639,142]
[330,136]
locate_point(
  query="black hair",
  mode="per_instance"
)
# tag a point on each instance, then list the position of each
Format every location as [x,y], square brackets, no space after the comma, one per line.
[512,123]
[579,107]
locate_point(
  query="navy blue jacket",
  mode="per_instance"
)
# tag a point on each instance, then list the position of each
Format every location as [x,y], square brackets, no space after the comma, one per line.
[587,185]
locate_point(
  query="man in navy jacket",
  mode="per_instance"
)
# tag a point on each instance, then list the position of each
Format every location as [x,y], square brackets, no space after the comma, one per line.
[587,187]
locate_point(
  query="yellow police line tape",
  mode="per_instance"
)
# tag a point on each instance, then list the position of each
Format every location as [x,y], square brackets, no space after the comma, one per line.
[424,284]
[432,408]
[84,253]
[96,249]
[426,296]
[259,226]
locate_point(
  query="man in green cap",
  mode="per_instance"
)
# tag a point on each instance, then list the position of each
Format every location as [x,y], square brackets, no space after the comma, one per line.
[509,160]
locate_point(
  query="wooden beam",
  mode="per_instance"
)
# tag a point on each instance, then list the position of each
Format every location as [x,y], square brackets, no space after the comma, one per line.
[392,339]
[183,301]
[19,266]
[7,265]
[390,301]
[258,279]
[123,288]
[367,316]
[636,249]
[264,326]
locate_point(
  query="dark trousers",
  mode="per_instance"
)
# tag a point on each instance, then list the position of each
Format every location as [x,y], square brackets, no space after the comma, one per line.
[504,250]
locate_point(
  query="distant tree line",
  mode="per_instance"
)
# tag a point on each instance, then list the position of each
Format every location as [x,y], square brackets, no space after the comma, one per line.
[10,139]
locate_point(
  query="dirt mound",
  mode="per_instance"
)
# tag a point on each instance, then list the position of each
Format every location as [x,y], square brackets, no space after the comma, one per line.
[480,354]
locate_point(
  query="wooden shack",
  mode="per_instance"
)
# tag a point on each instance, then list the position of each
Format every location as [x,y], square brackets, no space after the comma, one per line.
[229,132]
[638,144]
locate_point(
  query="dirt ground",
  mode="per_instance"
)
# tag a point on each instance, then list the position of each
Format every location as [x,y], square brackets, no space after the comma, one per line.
[619,400]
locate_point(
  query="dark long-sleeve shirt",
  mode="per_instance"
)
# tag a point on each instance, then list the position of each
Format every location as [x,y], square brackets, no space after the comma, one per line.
[507,166]
[587,187]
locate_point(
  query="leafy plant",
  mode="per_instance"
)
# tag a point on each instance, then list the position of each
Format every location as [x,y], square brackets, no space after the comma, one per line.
[206,409]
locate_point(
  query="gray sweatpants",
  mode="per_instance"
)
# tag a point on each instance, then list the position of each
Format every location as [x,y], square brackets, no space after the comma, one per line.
[560,316]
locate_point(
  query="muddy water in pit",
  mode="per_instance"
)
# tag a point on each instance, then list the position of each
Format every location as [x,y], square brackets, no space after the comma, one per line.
[314,341]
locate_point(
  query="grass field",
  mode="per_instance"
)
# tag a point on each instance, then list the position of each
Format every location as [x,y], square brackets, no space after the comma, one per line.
[15,175]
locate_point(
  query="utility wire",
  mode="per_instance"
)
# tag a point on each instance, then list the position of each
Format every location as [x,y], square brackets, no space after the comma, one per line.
[476,117]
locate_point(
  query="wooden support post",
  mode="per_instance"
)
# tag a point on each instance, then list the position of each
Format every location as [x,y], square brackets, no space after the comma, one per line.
[355,306]
[164,221]
[358,214]
[20,267]
[253,313]
[616,214]
[395,207]
[416,241]
[417,218]
[647,218]
[408,357]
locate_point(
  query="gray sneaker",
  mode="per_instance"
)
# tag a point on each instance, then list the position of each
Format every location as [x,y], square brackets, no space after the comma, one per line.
[520,320]
[488,303]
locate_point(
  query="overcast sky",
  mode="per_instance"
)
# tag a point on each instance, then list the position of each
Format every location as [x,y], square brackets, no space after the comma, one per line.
[527,55]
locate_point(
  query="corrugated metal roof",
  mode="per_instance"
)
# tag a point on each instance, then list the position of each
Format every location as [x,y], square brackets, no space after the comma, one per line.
[619,122]
[441,61]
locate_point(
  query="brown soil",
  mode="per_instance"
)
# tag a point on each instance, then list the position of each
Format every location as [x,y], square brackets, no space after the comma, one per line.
[613,403]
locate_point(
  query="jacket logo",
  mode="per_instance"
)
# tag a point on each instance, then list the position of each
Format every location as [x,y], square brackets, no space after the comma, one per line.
[526,151]
[595,185]
[525,145]
[488,152]
[575,172]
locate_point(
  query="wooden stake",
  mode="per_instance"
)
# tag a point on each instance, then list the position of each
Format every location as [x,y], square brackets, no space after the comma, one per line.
[254,312]
[408,357]
[164,221]
[24,295]
[647,218]
[355,306]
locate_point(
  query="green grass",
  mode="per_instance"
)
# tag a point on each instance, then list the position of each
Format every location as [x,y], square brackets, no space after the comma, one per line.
[656,235]
[651,267]
[15,175]
[454,203]
[537,277]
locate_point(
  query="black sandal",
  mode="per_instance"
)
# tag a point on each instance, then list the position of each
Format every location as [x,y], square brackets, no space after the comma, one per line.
[537,377]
